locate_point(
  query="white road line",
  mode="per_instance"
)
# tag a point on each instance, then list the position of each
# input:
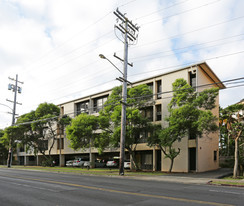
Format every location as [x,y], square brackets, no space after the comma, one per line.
[229,192]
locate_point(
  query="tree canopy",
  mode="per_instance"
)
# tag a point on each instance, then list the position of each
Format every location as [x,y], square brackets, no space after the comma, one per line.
[104,130]
[232,122]
[137,124]
[82,130]
[3,148]
[189,116]
[38,128]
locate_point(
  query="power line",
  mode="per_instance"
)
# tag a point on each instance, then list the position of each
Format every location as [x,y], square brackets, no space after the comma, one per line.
[195,30]
[69,39]
[83,90]
[74,50]
[141,73]
[144,96]
[189,10]
[161,10]
[171,54]
[180,65]
[81,31]
[196,50]
[194,45]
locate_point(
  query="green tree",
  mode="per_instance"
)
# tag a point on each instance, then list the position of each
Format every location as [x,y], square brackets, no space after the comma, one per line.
[227,144]
[38,128]
[233,121]
[138,98]
[81,131]
[189,115]
[3,148]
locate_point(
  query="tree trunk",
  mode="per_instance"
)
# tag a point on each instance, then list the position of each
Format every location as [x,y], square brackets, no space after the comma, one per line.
[235,170]
[171,164]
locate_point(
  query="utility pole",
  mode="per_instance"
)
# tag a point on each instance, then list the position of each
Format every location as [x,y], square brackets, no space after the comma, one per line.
[15,88]
[128,30]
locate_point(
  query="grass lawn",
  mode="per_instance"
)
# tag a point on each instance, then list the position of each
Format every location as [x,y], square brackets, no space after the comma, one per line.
[229,181]
[237,183]
[78,170]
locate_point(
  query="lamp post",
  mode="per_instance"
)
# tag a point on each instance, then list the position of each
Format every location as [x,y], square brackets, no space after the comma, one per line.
[123,116]
[6,106]
[103,57]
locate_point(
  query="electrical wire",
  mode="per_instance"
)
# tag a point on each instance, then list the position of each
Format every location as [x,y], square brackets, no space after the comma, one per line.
[146,15]
[189,32]
[180,65]
[183,12]
[141,73]
[192,50]
[194,45]
[72,37]
[141,97]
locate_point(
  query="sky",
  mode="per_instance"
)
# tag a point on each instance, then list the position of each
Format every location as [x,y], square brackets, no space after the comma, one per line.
[54,46]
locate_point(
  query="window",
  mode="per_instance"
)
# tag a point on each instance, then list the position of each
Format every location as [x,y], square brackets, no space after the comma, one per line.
[193,81]
[21,149]
[215,155]
[148,113]
[192,135]
[60,143]
[99,102]
[159,89]
[143,136]
[146,161]
[158,112]
[150,86]
[82,107]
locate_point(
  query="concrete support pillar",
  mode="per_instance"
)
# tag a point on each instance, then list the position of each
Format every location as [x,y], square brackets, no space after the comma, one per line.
[37,160]
[62,160]
[154,159]
[25,160]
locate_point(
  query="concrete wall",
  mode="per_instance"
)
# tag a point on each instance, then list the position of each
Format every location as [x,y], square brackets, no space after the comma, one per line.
[210,142]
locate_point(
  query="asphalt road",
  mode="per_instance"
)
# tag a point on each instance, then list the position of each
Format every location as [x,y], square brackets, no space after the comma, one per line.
[22,187]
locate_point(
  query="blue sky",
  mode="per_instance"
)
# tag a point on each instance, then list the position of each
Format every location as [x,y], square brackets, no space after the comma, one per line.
[54,45]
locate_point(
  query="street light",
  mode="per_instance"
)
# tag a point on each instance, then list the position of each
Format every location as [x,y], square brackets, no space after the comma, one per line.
[123,115]
[103,57]
[6,106]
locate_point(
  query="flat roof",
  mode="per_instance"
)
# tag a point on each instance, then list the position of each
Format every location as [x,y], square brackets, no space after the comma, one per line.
[204,66]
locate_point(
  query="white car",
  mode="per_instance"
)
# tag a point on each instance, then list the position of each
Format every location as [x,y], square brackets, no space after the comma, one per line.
[127,164]
[69,163]
[113,163]
[80,161]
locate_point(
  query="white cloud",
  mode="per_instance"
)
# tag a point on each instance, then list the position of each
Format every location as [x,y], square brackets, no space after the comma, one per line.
[54,46]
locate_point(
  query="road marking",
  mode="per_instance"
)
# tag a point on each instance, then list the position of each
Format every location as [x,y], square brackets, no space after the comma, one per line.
[229,192]
[122,192]
[38,188]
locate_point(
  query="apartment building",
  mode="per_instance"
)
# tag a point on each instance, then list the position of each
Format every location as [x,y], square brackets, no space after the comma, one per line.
[197,154]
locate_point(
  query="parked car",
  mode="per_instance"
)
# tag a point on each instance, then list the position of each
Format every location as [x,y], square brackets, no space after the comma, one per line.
[113,162]
[69,163]
[79,162]
[98,164]
[127,164]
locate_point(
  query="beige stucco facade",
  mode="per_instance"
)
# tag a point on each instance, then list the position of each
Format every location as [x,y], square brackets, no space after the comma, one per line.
[200,154]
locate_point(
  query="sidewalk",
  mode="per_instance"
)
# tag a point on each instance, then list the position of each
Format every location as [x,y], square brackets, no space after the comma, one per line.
[192,178]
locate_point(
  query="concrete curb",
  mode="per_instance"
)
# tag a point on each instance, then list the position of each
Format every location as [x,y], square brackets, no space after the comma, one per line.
[223,184]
